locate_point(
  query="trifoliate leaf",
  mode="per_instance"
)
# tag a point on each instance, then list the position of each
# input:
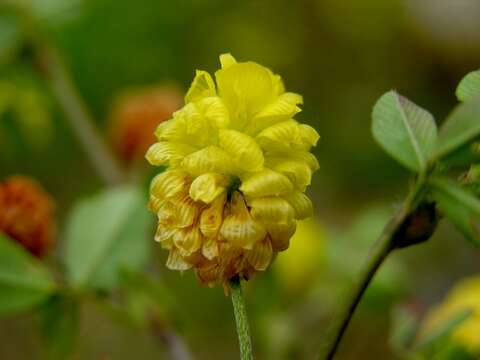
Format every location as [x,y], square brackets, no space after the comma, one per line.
[469,86]
[24,281]
[460,128]
[105,234]
[404,130]
[460,206]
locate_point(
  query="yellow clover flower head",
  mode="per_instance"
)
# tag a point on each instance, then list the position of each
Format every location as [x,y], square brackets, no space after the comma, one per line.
[237,168]
[465,296]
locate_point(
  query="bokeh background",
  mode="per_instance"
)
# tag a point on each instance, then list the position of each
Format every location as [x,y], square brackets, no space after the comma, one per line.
[342,56]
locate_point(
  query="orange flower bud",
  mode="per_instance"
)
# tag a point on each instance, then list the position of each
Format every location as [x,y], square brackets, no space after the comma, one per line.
[27,214]
[135,116]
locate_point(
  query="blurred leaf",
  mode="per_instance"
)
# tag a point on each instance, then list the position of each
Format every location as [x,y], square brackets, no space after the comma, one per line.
[464,156]
[469,86]
[59,321]
[444,330]
[403,329]
[404,130]
[148,297]
[461,127]
[55,12]
[106,233]
[10,38]
[460,206]
[24,281]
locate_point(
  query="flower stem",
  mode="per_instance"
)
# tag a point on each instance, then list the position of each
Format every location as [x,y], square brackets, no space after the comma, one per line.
[56,74]
[243,329]
[395,235]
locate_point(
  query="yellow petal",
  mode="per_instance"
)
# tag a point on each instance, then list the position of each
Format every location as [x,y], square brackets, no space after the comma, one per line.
[163,153]
[210,249]
[176,262]
[212,217]
[164,236]
[154,203]
[188,240]
[301,204]
[298,172]
[246,89]
[242,148]
[227,60]
[276,157]
[261,255]
[280,234]
[202,86]
[169,184]
[215,112]
[186,211]
[309,136]
[283,108]
[283,136]
[167,214]
[210,159]
[238,228]
[207,187]
[271,210]
[265,183]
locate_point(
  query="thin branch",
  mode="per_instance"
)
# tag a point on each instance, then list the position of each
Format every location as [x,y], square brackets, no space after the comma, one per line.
[76,113]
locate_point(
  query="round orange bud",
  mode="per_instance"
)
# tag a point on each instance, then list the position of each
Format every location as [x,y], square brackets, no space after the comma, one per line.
[27,214]
[136,114]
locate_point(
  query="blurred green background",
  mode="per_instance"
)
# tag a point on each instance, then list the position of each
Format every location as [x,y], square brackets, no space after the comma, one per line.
[341,55]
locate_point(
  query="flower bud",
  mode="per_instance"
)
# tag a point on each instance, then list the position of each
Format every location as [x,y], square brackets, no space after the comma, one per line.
[134,117]
[27,214]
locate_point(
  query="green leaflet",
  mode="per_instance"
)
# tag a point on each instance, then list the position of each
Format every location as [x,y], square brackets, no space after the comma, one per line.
[24,281]
[404,130]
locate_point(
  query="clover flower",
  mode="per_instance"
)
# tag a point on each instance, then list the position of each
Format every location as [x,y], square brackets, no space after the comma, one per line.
[136,114]
[26,214]
[238,165]
[465,296]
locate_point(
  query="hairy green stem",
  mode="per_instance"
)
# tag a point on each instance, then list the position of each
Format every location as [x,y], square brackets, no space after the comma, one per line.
[388,241]
[241,320]
[382,249]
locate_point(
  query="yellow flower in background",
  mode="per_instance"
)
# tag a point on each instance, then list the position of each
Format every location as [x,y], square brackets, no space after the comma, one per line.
[465,296]
[304,256]
[237,168]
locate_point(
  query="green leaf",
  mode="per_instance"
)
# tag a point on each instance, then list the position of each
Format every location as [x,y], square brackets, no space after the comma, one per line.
[24,281]
[59,322]
[469,86]
[404,327]
[461,127]
[460,206]
[105,234]
[404,130]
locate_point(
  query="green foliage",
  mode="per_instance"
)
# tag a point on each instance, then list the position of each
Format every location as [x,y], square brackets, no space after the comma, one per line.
[59,322]
[24,281]
[10,38]
[106,233]
[460,206]
[404,326]
[405,131]
[469,86]
[460,128]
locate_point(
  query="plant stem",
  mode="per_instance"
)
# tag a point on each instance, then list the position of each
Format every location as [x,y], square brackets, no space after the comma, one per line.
[76,113]
[241,320]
